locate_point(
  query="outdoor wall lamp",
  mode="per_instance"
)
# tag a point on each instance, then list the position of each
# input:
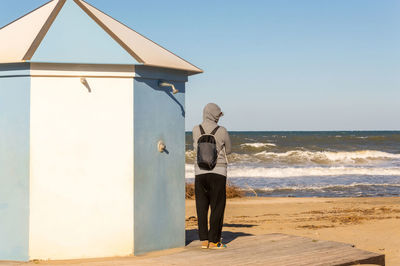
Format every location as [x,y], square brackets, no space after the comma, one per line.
[163,83]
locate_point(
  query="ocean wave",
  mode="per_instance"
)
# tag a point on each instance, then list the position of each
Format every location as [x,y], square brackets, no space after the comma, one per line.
[327,157]
[233,157]
[258,145]
[352,190]
[265,172]
[308,157]
[346,137]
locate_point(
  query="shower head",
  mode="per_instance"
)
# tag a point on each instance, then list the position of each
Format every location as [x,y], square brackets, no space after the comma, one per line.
[163,83]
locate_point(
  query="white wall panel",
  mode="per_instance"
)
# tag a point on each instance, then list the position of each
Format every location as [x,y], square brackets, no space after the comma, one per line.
[81,168]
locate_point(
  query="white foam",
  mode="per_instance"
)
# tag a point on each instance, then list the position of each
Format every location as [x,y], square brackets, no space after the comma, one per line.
[309,157]
[329,157]
[257,172]
[258,145]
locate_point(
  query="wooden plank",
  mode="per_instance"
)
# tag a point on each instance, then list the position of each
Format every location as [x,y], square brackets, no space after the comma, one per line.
[293,250]
[331,257]
[284,250]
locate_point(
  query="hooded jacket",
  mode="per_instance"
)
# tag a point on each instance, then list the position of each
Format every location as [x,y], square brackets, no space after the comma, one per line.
[211,115]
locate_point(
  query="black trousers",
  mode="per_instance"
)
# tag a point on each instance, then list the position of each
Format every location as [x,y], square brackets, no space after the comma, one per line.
[210,191]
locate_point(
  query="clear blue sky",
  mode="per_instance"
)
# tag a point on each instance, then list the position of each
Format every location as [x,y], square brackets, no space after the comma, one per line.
[276,65]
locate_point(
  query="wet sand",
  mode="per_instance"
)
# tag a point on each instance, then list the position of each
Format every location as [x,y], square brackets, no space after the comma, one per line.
[371,224]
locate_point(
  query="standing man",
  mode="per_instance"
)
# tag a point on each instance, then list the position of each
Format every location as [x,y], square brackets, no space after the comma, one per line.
[210,180]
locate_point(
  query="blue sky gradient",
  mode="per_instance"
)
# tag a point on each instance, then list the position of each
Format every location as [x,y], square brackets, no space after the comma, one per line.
[276,65]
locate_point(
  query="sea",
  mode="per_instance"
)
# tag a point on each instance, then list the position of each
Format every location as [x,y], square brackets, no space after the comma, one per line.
[312,164]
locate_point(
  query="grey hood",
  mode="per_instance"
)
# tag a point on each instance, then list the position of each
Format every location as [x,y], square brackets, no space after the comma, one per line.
[211,113]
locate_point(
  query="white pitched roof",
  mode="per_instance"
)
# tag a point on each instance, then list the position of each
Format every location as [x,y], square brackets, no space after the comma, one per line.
[20,39]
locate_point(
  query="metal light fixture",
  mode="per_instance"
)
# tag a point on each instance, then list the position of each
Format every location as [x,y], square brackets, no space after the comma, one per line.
[163,83]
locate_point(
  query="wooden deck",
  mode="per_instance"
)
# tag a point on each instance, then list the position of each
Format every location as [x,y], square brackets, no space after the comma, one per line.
[271,250]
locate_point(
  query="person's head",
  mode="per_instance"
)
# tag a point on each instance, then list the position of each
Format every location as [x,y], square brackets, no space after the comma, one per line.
[212,112]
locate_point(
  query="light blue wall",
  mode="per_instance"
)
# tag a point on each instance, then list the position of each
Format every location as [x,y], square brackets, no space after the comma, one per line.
[14,167]
[159,178]
[75,38]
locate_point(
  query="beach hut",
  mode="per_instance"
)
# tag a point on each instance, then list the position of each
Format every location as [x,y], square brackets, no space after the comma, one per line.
[92,137]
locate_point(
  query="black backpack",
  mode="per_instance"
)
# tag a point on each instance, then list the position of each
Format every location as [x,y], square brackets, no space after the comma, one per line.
[207,154]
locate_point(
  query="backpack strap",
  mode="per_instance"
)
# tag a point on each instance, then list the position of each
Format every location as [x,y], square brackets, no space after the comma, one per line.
[214,131]
[202,130]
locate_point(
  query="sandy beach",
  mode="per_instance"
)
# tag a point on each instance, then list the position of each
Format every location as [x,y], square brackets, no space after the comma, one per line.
[371,224]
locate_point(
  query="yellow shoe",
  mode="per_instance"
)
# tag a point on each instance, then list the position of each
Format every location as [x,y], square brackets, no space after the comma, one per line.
[218,245]
[204,244]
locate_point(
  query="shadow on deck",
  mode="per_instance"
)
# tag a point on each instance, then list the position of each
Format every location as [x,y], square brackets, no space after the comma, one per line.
[227,236]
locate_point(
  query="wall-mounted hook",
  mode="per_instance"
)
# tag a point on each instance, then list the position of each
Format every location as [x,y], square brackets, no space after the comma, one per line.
[86,84]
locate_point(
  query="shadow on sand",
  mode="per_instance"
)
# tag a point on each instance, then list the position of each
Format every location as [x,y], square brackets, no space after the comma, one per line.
[227,236]
[240,225]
